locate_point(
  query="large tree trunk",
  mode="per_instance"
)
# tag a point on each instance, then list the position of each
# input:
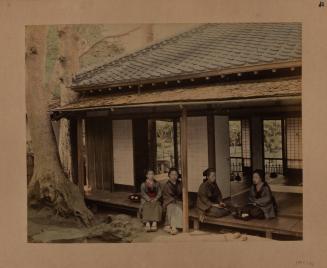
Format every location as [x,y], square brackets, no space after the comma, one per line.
[49,186]
[69,63]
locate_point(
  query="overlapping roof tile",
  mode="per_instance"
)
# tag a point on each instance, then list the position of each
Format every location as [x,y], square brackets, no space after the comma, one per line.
[207,48]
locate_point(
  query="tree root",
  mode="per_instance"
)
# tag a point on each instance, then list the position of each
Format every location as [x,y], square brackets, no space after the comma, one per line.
[63,197]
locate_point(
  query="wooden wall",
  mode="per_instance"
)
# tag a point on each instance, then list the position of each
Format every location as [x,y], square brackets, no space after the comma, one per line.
[123,158]
[99,152]
[197,151]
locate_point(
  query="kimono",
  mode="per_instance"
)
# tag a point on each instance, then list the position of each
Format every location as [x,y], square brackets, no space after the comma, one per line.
[209,194]
[172,203]
[150,209]
[262,203]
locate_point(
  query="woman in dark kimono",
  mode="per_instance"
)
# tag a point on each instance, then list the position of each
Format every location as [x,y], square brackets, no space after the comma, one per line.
[172,202]
[209,201]
[150,209]
[262,204]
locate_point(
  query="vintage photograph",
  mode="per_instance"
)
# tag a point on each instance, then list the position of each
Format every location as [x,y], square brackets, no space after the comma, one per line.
[164,132]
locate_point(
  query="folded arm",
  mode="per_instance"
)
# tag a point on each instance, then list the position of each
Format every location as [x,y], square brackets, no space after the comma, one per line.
[265,198]
[144,194]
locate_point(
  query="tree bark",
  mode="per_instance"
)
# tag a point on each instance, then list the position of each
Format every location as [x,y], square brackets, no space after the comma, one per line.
[49,186]
[69,64]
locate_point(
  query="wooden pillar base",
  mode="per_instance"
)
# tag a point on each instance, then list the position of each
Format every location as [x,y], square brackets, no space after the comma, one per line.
[196,224]
[269,234]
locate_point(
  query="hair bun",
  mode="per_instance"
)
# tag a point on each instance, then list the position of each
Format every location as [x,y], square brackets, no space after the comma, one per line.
[205,172]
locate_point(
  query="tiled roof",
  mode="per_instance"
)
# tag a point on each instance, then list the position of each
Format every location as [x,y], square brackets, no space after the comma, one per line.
[221,92]
[216,48]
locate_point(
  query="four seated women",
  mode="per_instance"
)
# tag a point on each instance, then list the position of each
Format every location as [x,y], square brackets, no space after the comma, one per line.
[261,205]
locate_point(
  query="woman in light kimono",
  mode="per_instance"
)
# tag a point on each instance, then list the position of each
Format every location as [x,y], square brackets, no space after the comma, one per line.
[150,209]
[262,204]
[172,202]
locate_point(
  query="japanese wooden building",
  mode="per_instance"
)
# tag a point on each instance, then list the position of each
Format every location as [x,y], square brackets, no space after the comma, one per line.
[199,80]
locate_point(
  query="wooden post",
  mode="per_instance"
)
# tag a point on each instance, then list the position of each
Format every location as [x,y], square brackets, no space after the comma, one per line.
[196,224]
[152,144]
[284,144]
[80,157]
[268,234]
[175,144]
[184,169]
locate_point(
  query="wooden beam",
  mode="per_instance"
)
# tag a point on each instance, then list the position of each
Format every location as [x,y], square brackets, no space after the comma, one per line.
[184,169]
[80,157]
[296,97]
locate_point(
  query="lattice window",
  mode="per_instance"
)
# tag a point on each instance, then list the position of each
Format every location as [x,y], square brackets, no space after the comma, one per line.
[294,142]
[246,146]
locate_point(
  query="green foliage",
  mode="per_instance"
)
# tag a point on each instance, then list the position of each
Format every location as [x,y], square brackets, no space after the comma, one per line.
[235,142]
[90,32]
[102,52]
[235,132]
[99,52]
[273,138]
[165,140]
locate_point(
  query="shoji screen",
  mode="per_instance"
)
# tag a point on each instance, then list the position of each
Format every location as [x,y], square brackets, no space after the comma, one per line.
[123,152]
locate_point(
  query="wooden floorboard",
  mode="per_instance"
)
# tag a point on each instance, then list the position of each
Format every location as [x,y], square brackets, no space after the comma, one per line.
[289,204]
[111,198]
[279,225]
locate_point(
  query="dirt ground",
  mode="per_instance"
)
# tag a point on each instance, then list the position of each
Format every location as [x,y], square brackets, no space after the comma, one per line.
[109,227]
[197,236]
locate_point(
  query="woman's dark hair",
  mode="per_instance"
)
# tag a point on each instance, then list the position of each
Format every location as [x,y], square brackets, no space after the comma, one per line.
[207,172]
[148,170]
[173,169]
[261,174]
